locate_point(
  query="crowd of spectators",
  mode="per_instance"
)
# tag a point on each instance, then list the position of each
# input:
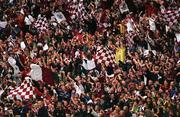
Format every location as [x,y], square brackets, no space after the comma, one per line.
[146,84]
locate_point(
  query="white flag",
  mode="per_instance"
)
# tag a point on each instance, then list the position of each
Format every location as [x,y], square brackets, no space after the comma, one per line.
[36,72]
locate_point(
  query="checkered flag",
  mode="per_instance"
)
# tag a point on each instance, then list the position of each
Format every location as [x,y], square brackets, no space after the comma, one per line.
[105,55]
[170,16]
[76,9]
[130,35]
[72,8]
[24,91]
[41,24]
[132,32]
[81,10]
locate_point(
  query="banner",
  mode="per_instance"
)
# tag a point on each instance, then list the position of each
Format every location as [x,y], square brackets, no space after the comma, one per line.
[123,7]
[120,54]
[59,16]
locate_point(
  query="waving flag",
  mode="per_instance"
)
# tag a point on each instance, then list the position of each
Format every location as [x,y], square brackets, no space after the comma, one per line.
[41,74]
[132,30]
[36,72]
[120,54]
[123,7]
[81,10]
[24,91]
[59,16]
[170,16]
[76,9]
[41,24]
[72,8]
[105,55]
